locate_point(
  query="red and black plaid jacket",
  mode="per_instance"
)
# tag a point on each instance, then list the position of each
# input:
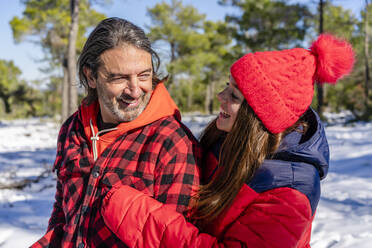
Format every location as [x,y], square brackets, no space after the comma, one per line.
[159,159]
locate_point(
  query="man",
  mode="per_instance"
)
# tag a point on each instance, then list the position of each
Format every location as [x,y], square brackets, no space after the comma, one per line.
[126,132]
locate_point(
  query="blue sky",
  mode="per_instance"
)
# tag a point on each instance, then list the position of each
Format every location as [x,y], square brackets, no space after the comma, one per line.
[25,55]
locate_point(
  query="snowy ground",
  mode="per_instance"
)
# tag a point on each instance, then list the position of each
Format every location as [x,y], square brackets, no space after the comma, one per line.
[27,148]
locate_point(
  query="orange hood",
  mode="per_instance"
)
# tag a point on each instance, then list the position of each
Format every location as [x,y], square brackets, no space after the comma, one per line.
[160,105]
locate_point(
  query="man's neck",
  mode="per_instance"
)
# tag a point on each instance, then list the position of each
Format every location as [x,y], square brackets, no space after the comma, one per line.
[104,125]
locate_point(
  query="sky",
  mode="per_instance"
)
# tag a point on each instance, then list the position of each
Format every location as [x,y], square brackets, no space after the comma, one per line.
[26,55]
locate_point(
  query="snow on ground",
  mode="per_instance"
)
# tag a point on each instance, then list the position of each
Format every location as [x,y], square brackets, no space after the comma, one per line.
[343,219]
[27,148]
[344,215]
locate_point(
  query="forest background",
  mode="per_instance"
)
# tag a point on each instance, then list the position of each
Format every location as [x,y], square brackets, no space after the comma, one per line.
[197,42]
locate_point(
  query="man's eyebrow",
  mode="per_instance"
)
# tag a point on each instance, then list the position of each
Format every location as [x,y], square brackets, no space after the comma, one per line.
[147,70]
[113,75]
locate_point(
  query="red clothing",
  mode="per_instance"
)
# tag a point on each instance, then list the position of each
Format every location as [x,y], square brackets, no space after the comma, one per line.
[157,156]
[274,209]
[278,218]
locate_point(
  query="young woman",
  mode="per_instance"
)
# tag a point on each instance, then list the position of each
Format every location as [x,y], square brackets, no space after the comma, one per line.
[265,155]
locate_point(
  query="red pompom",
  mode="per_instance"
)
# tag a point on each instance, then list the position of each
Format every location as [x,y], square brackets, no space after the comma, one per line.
[335,58]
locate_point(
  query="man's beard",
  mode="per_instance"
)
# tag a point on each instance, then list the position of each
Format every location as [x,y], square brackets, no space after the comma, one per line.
[117,107]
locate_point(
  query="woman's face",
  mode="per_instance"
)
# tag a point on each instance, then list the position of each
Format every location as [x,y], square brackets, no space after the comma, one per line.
[231,99]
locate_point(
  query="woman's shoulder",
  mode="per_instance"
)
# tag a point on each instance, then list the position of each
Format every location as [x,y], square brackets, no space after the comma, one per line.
[299,164]
[275,175]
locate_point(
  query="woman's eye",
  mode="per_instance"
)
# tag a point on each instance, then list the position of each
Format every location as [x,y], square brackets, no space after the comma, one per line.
[234,96]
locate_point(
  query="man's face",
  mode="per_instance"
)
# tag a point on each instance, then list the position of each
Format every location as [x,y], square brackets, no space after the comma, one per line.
[124,83]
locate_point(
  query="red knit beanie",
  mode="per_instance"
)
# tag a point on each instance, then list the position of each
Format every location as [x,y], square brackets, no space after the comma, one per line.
[279,85]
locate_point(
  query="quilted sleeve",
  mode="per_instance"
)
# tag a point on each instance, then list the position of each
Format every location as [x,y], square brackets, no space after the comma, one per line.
[152,224]
[271,221]
[278,218]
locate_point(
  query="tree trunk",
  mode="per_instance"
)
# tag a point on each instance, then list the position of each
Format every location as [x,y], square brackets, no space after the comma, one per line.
[208,105]
[172,59]
[5,98]
[65,92]
[173,52]
[320,86]
[190,96]
[71,57]
[32,111]
[366,63]
[208,97]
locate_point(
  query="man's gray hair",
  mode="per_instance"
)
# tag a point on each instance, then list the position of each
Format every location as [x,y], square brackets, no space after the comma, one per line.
[109,34]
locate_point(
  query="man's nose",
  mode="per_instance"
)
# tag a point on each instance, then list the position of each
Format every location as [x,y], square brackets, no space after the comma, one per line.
[133,88]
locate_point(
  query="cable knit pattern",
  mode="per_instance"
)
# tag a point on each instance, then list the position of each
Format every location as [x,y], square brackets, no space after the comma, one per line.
[279,85]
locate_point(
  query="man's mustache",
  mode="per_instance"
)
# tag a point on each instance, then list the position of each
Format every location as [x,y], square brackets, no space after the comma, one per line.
[125,97]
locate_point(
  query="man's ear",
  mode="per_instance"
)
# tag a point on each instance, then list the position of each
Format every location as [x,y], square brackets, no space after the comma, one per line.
[91,80]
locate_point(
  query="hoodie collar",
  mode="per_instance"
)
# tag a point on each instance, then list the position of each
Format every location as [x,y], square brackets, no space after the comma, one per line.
[160,105]
[312,150]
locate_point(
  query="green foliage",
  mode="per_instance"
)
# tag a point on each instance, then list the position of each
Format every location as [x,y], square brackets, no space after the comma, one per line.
[179,27]
[9,83]
[18,99]
[9,77]
[267,24]
[47,23]
[337,20]
[198,50]
[349,91]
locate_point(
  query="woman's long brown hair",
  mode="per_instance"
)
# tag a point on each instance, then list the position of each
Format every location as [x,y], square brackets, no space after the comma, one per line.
[244,149]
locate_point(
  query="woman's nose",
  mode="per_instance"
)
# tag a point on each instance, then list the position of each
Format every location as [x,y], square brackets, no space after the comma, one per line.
[221,96]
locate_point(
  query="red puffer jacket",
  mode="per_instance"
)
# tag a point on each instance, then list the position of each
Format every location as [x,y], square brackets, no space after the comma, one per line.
[275,209]
[267,220]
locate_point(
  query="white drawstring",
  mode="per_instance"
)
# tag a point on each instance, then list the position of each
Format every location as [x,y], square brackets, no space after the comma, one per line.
[95,138]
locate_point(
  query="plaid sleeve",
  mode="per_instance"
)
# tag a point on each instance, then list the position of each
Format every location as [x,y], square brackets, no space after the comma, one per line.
[58,216]
[177,176]
[54,234]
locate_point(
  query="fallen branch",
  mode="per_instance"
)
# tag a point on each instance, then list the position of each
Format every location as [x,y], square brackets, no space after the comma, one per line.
[25,182]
